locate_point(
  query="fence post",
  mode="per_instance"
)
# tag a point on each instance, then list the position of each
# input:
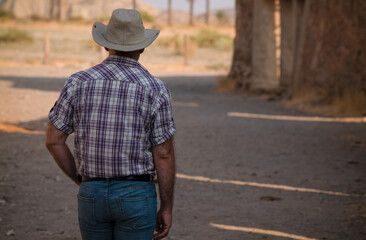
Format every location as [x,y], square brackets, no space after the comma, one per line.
[185,49]
[46,49]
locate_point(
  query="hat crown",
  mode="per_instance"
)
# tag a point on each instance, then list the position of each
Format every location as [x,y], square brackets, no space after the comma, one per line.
[124,32]
[125,27]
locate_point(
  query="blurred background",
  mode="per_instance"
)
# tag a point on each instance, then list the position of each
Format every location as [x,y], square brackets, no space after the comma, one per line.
[193,42]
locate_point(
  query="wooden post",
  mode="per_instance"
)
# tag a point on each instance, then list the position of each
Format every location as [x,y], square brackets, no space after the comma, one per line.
[185,49]
[46,49]
[134,5]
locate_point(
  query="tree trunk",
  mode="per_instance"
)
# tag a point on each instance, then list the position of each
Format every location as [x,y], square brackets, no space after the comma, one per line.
[264,62]
[170,12]
[287,41]
[298,7]
[330,69]
[241,67]
[191,12]
[59,16]
[207,19]
[63,10]
[53,9]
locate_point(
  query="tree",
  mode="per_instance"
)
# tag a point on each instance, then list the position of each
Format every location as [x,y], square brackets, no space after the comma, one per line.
[242,59]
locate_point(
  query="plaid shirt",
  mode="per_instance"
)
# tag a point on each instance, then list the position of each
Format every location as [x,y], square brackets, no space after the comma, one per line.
[118,111]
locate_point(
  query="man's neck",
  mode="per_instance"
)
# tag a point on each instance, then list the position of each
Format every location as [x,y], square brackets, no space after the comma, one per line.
[135,55]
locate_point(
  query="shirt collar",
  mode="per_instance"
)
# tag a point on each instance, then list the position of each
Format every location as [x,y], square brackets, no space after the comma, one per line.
[114,59]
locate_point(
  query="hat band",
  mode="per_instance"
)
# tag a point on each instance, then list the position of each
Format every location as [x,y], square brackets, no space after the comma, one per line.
[125,44]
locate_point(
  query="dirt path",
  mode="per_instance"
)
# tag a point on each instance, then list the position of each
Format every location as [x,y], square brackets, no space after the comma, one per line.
[238,178]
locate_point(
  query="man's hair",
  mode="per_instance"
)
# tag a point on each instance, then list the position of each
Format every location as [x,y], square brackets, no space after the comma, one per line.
[128,54]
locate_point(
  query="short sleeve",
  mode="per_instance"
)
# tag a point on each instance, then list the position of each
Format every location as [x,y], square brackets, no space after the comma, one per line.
[61,115]
[162,125]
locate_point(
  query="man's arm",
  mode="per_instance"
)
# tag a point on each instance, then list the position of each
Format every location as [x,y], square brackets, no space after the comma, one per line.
[56,145]
[164,160]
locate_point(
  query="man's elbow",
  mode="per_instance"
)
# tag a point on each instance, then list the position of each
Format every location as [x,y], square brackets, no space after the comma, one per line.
[164,152]
[54,137]
[50,144]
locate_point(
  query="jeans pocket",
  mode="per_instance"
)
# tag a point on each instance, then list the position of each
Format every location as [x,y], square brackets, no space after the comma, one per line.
[86,207]
[138,212]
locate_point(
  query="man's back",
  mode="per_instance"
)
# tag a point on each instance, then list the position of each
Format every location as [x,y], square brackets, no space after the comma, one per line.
[112,106]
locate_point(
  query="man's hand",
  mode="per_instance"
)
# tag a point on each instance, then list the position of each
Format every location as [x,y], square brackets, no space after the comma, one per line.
[163,224]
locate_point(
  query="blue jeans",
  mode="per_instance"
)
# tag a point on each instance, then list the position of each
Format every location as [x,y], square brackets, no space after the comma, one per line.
[117,210]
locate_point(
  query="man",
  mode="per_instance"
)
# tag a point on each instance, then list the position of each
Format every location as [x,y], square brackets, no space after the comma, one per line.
[122,119]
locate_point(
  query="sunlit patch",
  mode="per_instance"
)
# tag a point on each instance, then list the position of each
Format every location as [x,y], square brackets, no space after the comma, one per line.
[264,185]
[260,231]
[297,118]
[14,129]
[185,104]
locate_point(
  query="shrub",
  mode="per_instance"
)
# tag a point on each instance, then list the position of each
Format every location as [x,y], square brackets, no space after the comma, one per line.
[174,42]
[213,39]
[4,15]
[78,20]
[176,45]
[218,66]
[103,17]
[36,17]
[15,35]
[222,17]
[146,17]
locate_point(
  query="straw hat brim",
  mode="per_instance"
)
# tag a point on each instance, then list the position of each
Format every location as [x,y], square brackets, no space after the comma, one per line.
[99,30]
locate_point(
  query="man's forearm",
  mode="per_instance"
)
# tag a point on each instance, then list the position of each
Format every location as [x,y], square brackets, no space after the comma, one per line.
[165,169]
[56,145]
[64,159]
[164,159]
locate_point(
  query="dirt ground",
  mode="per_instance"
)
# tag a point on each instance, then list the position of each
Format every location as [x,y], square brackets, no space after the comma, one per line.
[238,178]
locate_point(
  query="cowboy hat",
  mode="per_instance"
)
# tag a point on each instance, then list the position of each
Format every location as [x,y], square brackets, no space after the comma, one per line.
[124,32]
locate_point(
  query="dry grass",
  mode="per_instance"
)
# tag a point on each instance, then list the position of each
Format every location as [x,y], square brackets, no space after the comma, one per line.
[227,85]
[351,103]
